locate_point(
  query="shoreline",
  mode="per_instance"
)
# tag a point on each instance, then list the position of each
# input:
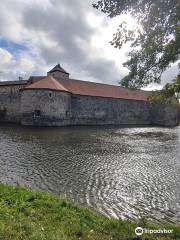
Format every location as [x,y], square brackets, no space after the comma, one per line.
[32,215]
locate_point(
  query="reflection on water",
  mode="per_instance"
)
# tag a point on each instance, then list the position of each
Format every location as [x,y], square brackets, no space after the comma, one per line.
[120,172]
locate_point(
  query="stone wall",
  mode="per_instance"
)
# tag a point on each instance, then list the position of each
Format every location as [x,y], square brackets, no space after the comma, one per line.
[45,108]
[10,100]
[59,75]
[164,115]
[53,108]
[88,110]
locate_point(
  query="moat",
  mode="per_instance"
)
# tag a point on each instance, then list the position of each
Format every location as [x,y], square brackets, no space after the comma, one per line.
[119,172]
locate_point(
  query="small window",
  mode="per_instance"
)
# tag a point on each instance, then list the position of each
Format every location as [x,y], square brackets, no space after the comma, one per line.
[2,112]
[67,113]
[37,113]
[50,95]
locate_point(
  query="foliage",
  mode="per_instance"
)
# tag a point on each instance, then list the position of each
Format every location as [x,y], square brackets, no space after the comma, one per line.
[29,215]
[155,43]
[169,94]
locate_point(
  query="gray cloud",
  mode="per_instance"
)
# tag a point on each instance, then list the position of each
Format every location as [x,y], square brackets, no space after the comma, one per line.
[59,32]
[55,31]
[70,29]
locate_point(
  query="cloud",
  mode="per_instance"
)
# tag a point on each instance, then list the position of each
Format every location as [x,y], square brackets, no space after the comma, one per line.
[45,32]
[170,73]
[56,31]
[65,35]
[11,67]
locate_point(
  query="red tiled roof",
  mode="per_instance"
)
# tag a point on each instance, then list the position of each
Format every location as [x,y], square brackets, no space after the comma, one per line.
[34,79]
[47,83]
[88,88]
[102,90]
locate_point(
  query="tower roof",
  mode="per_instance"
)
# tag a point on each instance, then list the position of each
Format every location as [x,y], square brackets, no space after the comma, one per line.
[58,68]
[47,83]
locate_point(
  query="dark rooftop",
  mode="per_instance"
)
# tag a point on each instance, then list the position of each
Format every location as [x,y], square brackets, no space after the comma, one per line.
[17,82]
[58,68]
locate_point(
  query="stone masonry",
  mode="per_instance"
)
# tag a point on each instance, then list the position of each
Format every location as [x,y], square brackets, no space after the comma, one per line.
[57,100]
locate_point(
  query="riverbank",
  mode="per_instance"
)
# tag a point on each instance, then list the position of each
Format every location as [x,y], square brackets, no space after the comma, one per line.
[30,215]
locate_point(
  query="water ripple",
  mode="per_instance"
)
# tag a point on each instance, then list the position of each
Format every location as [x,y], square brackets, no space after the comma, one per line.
[119,172]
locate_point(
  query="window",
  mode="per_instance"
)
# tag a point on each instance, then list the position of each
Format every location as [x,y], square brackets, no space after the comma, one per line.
[37,113]
[2,112]
[50,95]
[67,113]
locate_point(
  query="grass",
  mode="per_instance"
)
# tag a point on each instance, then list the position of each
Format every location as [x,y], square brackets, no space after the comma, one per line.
[30,215]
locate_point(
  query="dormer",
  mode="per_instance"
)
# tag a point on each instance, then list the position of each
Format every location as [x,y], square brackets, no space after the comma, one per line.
[58,72]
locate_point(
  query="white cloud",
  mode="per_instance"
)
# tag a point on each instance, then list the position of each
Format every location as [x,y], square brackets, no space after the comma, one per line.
[5,56]
[69,32]
[60,32]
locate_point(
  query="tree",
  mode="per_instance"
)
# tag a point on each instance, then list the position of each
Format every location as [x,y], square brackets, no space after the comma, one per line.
[169,94]
[155,44]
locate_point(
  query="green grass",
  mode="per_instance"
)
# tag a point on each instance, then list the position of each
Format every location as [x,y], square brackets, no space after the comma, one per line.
[29,215]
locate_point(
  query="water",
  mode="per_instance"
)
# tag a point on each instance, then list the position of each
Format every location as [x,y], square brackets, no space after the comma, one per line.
[119,172]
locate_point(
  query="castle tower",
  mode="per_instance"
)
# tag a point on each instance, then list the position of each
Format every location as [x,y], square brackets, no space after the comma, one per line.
[58,72]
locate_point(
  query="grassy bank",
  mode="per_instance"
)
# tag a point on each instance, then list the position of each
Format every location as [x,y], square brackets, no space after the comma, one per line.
[29,215]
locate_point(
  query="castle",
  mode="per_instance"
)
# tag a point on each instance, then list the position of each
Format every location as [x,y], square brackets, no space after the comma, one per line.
[57,100]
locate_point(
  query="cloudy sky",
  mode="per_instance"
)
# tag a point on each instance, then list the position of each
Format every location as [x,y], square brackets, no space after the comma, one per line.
[37,34]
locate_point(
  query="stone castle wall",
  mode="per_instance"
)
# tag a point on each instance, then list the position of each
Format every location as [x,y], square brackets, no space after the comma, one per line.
[100,110]
[10,101]
[164,115]
[59,75]
[45,108]
[54,108]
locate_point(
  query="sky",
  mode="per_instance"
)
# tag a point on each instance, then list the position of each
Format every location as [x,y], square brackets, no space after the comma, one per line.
[35,35]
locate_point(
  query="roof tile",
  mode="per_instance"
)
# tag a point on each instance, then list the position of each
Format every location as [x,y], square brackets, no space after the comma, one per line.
[85,88]
[47,83]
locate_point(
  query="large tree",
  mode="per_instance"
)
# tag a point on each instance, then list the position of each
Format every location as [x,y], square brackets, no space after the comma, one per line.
[155,45]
